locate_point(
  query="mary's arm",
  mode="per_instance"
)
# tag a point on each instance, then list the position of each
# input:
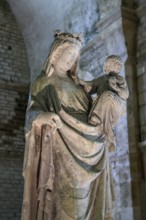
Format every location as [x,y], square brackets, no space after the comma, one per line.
[40,112]
[43,106]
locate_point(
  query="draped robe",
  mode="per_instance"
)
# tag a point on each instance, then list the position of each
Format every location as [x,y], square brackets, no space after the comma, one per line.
[67,173]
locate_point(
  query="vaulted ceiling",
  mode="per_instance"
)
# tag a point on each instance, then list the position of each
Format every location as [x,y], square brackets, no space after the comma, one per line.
[38,19]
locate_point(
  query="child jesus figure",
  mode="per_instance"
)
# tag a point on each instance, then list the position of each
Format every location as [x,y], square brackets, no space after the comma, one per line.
[110,102]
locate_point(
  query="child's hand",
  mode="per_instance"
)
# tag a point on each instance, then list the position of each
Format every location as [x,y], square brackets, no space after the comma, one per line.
[87,86]
[113,83]
[74,77]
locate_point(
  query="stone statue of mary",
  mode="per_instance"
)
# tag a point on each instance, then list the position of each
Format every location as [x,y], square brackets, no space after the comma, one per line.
[66,164]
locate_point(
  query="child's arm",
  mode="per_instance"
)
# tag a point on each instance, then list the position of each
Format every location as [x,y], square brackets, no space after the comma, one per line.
[93,85]
[86,84]
[119,85]
[124,91]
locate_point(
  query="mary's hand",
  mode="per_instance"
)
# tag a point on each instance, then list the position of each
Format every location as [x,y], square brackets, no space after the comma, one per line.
[48,118]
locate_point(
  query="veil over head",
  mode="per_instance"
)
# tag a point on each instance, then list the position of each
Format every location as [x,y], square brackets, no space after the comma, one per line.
[60,43]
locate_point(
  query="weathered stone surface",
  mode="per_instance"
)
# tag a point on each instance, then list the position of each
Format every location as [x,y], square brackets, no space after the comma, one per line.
[105,38]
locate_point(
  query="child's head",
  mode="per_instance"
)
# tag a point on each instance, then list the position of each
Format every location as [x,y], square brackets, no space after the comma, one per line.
[113,63]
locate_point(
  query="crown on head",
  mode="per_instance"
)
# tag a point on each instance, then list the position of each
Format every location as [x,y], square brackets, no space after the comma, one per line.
[74,38]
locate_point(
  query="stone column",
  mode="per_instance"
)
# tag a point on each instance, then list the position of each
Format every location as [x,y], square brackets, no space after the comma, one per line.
[130,24]
[141,77]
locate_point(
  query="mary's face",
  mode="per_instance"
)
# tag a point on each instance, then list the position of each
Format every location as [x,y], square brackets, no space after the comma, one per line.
[66,59]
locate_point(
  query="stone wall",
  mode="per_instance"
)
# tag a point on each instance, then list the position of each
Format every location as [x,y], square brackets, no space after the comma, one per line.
[14,79]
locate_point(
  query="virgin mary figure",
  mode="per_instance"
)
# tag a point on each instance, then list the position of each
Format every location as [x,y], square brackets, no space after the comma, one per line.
[66,164]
